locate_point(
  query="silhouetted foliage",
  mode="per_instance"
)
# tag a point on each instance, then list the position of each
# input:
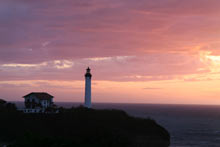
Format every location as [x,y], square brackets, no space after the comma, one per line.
[81,127]
[2,102]
[7,107]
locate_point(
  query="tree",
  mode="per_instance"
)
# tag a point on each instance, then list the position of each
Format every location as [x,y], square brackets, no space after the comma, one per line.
[8,107]
[2,102]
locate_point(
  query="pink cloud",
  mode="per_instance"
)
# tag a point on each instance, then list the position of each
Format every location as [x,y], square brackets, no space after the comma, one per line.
[160,34]
[154,66]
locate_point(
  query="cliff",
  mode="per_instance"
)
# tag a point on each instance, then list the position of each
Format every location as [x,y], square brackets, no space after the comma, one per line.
[81,127]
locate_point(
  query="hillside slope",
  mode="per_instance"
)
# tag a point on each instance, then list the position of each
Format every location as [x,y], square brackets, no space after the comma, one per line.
[81,127]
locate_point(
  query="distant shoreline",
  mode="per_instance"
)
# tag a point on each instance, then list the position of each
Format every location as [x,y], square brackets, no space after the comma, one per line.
[111,103]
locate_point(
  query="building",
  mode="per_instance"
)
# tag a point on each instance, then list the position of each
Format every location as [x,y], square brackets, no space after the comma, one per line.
[37,102]
[42,102]
[88,77]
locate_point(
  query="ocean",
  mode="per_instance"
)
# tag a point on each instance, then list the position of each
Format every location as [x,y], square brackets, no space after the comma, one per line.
[189,125]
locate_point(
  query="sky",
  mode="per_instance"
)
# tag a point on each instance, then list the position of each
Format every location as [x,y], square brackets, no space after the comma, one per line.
[145,51]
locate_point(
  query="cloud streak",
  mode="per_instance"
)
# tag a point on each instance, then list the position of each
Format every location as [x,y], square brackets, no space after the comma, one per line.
[82,29]
[121,40]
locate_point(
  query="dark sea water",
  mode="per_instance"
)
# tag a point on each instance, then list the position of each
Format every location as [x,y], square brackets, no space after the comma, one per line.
[189,125]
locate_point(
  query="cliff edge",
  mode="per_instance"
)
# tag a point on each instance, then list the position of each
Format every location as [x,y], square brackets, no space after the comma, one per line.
[80,127]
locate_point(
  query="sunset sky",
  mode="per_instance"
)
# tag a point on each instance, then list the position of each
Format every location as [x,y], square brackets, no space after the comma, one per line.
[140,51]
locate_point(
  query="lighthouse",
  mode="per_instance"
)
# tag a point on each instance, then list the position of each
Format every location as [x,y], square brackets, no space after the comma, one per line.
[88,77]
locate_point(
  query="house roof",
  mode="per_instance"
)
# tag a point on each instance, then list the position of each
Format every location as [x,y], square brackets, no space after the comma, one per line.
[40,95]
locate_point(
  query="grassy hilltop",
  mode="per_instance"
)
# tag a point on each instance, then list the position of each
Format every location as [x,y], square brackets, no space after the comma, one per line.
[79,127]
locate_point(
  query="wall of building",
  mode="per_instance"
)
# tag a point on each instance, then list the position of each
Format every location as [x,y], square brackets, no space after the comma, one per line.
[43,103]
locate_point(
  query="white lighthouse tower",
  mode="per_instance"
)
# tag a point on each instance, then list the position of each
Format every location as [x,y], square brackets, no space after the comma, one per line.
[88,78]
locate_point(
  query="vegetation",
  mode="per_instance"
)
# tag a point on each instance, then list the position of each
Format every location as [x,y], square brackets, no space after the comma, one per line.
[79,127]
[7,107]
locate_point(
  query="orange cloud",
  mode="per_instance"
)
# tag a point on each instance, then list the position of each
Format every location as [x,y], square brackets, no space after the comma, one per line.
[134,45]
